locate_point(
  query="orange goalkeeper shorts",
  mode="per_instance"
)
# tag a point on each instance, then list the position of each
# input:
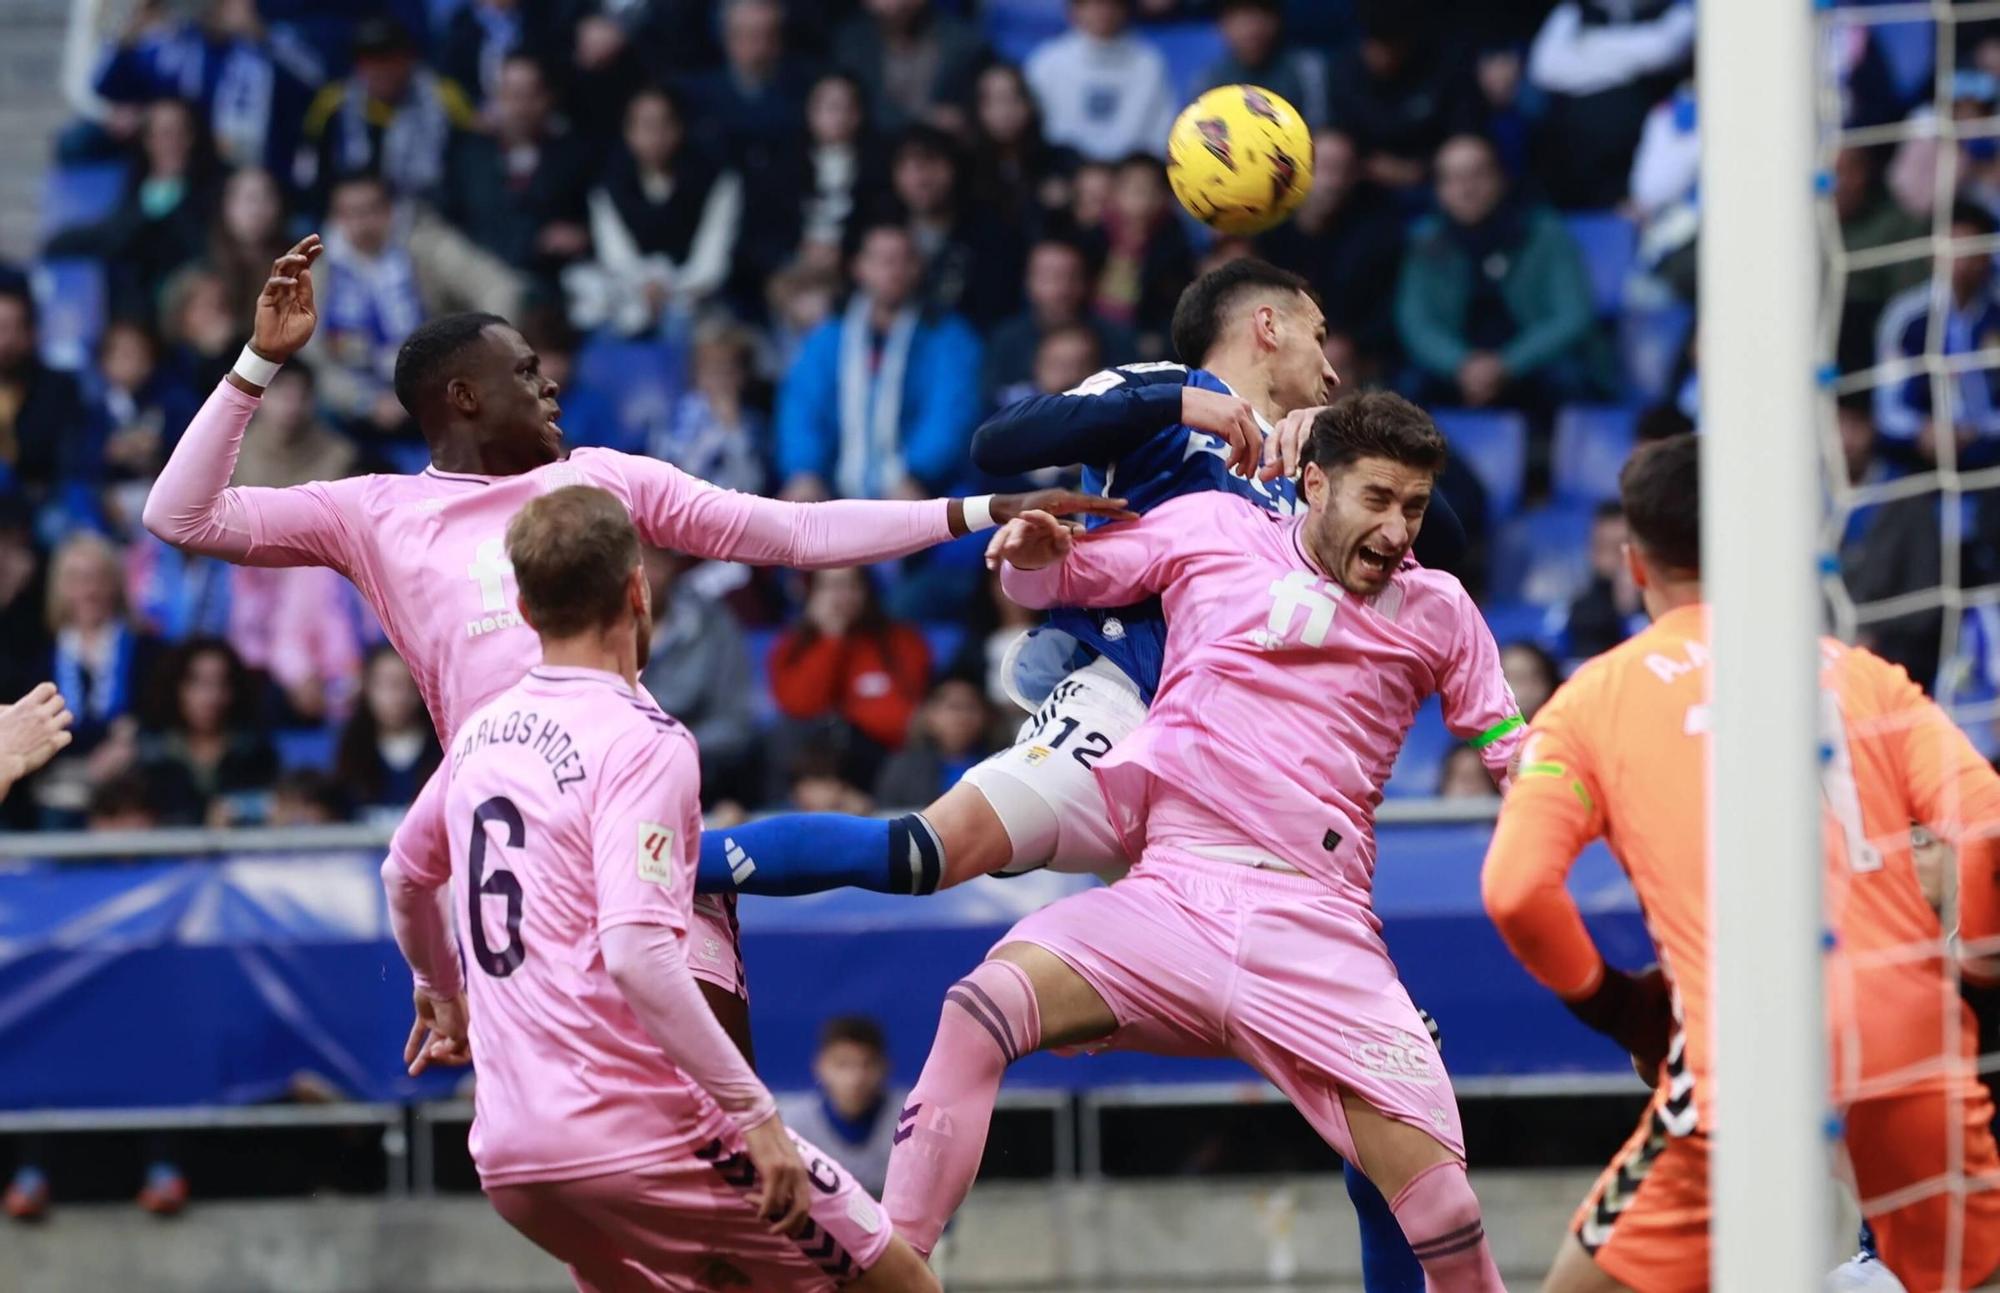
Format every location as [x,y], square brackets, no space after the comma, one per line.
[1645,1221]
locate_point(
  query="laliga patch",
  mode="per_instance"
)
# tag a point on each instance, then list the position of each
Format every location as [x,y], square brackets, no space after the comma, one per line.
[656,854]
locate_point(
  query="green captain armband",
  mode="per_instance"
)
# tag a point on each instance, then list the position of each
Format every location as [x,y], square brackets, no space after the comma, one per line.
[1498,730]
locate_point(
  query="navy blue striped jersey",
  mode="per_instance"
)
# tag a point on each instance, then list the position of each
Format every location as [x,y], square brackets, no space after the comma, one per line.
[1146,469]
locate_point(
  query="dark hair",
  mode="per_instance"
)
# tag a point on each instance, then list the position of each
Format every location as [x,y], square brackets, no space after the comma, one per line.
[357,762]
[315,787]
[1661,489]
[873,621]
[573,550]
[349,179]
[862,1030]
[676,102]
[163,701]
[130,791]
[379,36]
[1551,667]
[423,364]
[928,140]
[1375,424]
[1978,217]
[10,291]
[1205,303]
[860,231]
[1609,510]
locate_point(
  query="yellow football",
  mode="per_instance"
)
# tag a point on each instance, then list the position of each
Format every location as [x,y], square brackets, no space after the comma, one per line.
[1240,159]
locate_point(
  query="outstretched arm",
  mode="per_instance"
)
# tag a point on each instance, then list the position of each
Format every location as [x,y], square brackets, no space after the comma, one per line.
[191,505]
[675,510]
[1105,418]
[1044,563]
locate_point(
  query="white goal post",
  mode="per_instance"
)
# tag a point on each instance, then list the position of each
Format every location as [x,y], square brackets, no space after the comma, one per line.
[1759,295]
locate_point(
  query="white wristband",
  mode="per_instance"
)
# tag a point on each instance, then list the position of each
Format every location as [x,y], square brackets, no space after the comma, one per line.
[254,368]
[978,513]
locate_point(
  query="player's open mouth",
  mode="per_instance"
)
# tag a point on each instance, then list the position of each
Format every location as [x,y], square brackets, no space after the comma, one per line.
[1380,562]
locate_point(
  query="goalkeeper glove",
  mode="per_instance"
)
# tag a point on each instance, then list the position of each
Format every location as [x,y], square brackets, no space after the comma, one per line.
[1634,1010]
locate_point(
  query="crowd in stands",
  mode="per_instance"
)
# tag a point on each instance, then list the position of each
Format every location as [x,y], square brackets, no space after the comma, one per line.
[803,248]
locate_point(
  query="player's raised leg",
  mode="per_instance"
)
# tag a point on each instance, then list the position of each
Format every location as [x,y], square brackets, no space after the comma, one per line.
[1018,1000]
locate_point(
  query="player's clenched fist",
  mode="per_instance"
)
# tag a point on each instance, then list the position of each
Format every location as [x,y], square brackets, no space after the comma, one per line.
[286,312]
[1030,541]
[783,1193]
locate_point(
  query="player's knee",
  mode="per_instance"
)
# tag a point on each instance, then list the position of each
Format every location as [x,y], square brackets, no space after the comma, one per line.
[972,836]
[991,1013]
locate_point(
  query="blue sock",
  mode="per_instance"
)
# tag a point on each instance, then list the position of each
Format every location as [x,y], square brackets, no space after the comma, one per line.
[799,853]
[1387,1264]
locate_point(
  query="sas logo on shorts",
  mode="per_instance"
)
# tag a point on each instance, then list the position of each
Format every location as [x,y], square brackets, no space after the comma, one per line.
[656,854]
[1392,1057]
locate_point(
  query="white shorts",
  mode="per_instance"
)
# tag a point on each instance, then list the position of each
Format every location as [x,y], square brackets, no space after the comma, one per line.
[1042,786]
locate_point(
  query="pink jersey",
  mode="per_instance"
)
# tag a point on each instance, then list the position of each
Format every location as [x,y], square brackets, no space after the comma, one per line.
[428,550]
[1284,700]
[572,805]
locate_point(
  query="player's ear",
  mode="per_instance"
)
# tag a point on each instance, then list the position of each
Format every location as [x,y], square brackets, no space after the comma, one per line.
[521,605]
[1318,485]
[1633,565]
[639,593]
[458,393]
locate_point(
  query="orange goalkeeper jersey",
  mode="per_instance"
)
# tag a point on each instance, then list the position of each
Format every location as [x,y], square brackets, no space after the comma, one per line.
[1621,751]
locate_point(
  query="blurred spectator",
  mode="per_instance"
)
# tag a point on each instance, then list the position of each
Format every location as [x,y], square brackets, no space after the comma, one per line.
[1018,177]
[1066,358]
[249,84]
[1397,92]
[40,408]
[288,443]
[712,433]
[1464,776]
[698,669]
[1607,611]
[588,418]
[141,408]
[162,222]
[851,1112]
[200,747]
[972,263]
[304,628]
[518,191]
[388,749]
[1854,61]
[249,235]
[915,62]
[101,659]
[390,117]
[1869,217]
[754,103]
[663,222]
[24,607]
[125,802]
[482,35]
[306,797]
[1912,174]
[1603,65]
[387,269]
[1508,110]
[1971,316]
[203,333]
[993,623]
[1103,90]
[1058,290]
[1665,171]
[1347,239]
[950,735]
[821,781]
[1889,548]
[1143,253]
[881,401]
[799,298]
[808,196]
[1253,32]
[1532,674]
[1494,306]
[845,659]
[1090,191]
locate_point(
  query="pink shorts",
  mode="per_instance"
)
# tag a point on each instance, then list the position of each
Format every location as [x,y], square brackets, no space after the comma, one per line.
[687,1224]
[715,944]
[1197,957]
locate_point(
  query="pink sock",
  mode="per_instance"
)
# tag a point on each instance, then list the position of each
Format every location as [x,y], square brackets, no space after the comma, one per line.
[1440,1218]
[990,1019]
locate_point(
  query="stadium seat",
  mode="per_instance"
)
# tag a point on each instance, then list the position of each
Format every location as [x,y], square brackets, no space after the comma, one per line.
[1015,27]
[1591,444]
[1649,347]
[1910,50]
[1189,48]
[1543,556]
[641,380]
[306,748]
[80,194]
[1517,622]
[1494,443]
[70,300]
[409,456]
[1415,775]
[1606,240]
[944,640]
